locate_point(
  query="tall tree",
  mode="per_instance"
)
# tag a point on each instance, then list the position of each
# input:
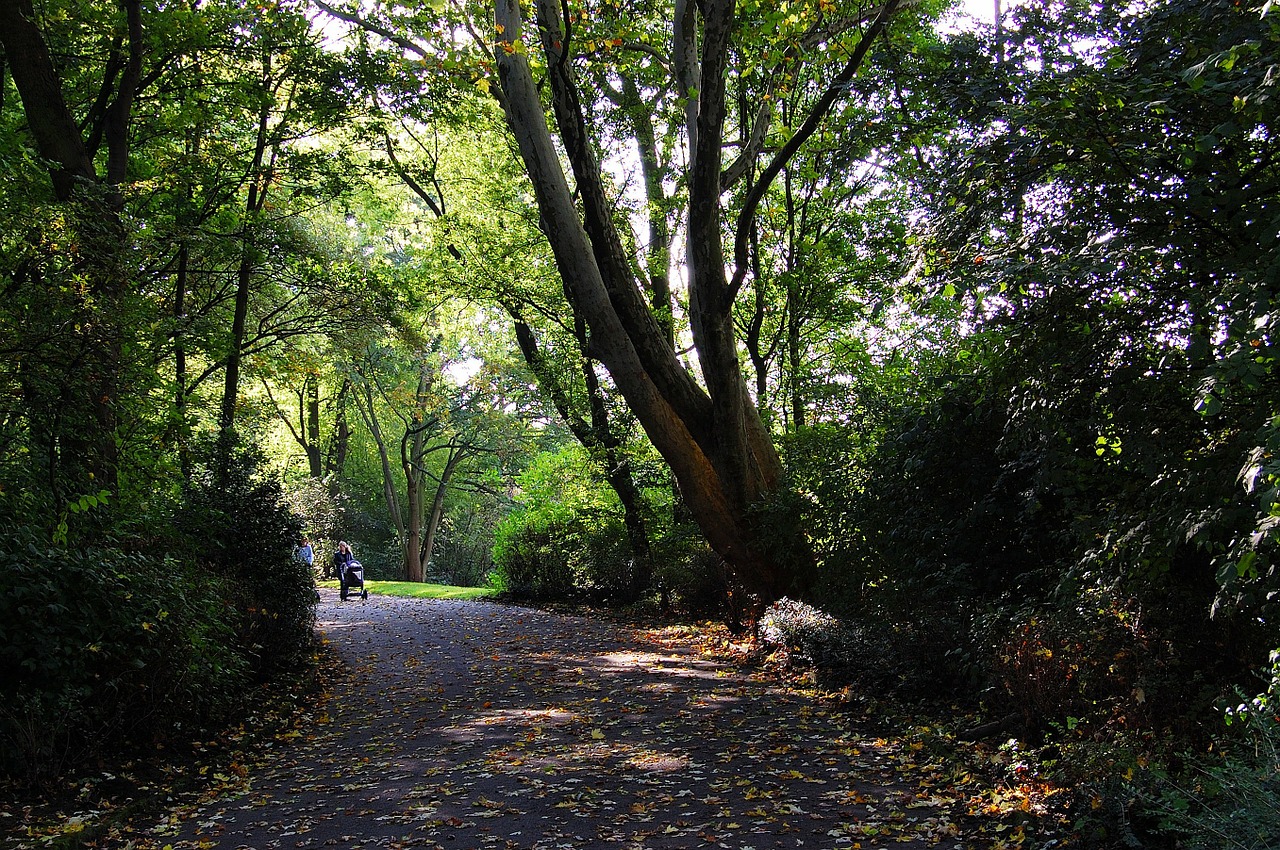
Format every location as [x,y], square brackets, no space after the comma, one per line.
[496,265]
[713,437]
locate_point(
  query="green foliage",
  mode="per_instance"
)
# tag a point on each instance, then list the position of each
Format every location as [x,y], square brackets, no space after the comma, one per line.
[689,576]
[568,540]
[1230,799]
[319,509]
[103,649]
[237,524]
[464,546]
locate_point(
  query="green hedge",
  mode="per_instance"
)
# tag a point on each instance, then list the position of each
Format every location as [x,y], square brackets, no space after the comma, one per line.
[101,649]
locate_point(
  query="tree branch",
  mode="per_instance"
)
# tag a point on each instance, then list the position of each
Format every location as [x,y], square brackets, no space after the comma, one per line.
[816,116]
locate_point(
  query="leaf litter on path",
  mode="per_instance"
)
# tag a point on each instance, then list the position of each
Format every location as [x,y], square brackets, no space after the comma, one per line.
[474,725]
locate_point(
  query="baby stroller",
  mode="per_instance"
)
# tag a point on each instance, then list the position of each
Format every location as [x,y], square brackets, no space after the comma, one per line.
[352,579]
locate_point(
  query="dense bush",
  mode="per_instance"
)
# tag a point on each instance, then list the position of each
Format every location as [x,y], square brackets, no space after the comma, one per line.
[551,553]
[797,627]
[102,649]
[691,578]
[237,523]
[568,540]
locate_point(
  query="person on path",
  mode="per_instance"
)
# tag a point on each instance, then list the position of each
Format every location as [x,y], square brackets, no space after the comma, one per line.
[341,560]
[306,554]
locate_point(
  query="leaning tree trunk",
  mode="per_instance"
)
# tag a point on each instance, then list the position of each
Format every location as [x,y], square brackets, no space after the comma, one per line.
[714,440]
[598,438]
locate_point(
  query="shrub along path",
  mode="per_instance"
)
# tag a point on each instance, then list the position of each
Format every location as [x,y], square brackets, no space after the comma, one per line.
[474,725]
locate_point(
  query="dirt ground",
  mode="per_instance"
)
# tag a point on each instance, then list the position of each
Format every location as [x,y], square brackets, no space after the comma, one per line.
[474,725]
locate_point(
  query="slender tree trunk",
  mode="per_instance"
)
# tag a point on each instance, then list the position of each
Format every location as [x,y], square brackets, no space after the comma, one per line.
[600,441]
[339,444]
[658,252]
[753,340]
[255,198]
[311,432]
[411,460]
[413,526]
[368,411]
[795,355]
[180,355]
[437,507]
[618,473]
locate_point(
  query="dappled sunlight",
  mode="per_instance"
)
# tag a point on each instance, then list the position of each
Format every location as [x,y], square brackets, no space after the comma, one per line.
[526,717]
[657,762]
[474,720]
[671,665]
[342,626]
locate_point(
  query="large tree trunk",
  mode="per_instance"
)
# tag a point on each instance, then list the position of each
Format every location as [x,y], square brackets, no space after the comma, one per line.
[56,133]
[97,239]
[714,440]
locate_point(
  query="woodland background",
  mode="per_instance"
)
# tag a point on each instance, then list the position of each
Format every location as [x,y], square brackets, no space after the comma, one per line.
[948,352]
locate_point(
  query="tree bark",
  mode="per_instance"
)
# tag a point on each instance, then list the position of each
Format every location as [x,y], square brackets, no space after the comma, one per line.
[456,456]
[336,457]
[54,128]
[658,251]
[368,411]
[315,464]
[180,354]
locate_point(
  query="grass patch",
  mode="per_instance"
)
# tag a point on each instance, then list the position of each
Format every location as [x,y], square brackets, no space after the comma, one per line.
[420,590]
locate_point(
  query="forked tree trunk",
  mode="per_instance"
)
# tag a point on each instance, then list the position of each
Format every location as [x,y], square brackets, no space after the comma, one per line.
[436,514]
[713,439]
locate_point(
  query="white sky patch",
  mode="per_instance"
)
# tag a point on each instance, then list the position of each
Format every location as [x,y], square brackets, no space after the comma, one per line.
[461,371]
[969,14]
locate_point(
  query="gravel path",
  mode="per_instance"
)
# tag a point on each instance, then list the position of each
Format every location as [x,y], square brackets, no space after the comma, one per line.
[473,725]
